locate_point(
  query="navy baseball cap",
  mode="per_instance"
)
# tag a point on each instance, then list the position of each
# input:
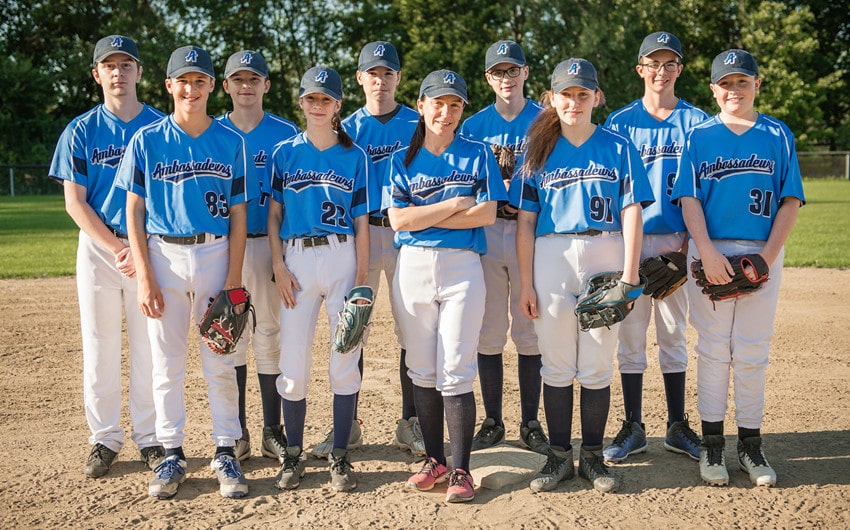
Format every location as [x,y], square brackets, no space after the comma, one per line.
[323,80]
[443,83]
[246,60]
[115,44]
[189,59]
[660,40]
[574,72]
[378,53]
[503,51]
[733,62]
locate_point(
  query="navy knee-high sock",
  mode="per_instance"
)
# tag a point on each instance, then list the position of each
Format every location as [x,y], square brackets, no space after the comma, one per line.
[294,416]
[270,399]
[408,407]
[357,395]
[594,414]
[674,390]
[633,396]
[241,383]
[491,376]
[528,370]
[558,406]
[344,407]
[460,419]
[429,406]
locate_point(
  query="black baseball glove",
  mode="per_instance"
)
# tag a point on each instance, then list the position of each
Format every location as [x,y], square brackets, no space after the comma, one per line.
[664,274]
[607,300]
[225,320]
[751,273]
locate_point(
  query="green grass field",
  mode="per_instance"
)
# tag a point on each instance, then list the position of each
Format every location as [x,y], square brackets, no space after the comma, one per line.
[38,239]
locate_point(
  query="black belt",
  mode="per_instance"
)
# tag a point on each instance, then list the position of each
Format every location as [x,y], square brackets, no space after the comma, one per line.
[317,241]
[380,221]
[501,214]
[117,234]
[591,232]
[191,240]
[255,236]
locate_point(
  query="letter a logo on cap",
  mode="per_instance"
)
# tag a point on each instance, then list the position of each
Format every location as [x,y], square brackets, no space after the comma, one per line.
[573,69]
[117,42]
[664,38]
[379,51]
[503,49]
[192,57]
[449,78]
[322,76]
[730,59]
[246,59]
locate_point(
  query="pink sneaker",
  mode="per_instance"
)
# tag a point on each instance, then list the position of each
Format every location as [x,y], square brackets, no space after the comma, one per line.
[431,473]
[460,487]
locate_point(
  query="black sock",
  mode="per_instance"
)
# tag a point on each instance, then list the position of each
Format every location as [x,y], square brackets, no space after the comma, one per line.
[748,433]
[528,368]
[225,451]
[408,407]
[270,399]
[633,396]
[558,405]
[460,419]
[594,414]
[429,406]
[674,389]
[175,451]
[357,395]
[343,418]
[491,376]
[710,428]
[294,416]
[241,383]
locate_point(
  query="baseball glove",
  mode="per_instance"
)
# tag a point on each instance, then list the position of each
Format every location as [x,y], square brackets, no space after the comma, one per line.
[225,320]
[751,273]
[506,159]
[606,300]
[353,320]
[664,274]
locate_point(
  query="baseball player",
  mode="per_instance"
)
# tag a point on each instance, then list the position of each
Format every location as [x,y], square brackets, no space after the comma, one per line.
[740,189]
[383,126]
[246,81]
[504,123]
[319,210]
[85,162]
[657,124]
[443,189]
[579,200]
[188,177]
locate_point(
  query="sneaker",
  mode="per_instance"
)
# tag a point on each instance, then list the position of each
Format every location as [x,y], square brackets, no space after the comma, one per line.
[274,442]
[243,446]
[489,435]
[152,456]
[682,439]
[591,465]
[631,440]
[99,461]
[342,476]
[712,461]
[432,472]
[408,435]
[231,482]
[292,470]
[460,487]
[355,439]
[532,437]
[751,459]
[559,466]
[170,473]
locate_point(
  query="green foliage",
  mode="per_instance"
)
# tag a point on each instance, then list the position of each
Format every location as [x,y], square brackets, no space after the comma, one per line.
[39,238]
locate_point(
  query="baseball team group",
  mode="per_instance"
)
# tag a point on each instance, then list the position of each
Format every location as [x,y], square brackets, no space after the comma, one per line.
[483,226]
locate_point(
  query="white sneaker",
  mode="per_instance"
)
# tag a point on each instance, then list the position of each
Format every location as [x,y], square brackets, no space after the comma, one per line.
[408,435]
[751,459]
[323,449]
[712,460]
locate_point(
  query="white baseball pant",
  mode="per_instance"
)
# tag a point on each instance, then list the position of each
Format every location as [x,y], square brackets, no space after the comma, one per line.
[382,258]
[265,339]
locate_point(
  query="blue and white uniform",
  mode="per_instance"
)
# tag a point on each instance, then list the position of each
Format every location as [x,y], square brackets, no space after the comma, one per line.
[740,181]
[188,185]
[660,144]
[88,153]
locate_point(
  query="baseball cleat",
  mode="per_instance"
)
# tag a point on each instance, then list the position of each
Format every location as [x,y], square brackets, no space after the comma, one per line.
[355,439]
[99,461]
[152,456]
[682,439]
[559,466]
[712,460]
[342,475]
[631,440]
[532,437]
[752,460]
[489,435]
[591,465]
[274,442]
[242,450]
[293,469]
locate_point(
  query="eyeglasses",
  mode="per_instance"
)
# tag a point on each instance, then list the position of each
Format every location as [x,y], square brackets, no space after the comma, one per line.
[672,66]
[510,72]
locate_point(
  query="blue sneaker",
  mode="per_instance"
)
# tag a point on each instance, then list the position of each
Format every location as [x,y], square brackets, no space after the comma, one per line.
[631,440]
[682,439]
[231,481]
[170,473]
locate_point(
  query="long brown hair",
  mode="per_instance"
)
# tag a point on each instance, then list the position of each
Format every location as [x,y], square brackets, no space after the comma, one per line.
[415,141]
[342,137]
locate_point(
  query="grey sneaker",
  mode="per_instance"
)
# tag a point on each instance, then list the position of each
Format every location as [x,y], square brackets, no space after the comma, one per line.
[489,435]
[532,437]
[355,439]
[152,456]
[274,442]
[408,435]
[170,473]
[751,459]
[712,460]
[231,482]
[559,466]
[591,465]
[342,476]
[292,470]
[99,461]
[243,446]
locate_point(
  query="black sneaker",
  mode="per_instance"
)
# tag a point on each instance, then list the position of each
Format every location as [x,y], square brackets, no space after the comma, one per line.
[152,456]
[489,435]
[532,437]
[591,465]
[99,461]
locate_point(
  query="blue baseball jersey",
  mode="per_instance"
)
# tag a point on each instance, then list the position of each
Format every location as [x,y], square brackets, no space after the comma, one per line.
[740,180]
[660,145]
[488,126]
[261,141]
[88,153]
[585,187]
[381,140]
[321,191]
[465,168]
[189,184]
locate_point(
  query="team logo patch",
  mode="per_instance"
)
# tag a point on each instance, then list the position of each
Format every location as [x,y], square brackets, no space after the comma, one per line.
[574,68]
[247,58]
[322,77]
[302,180]
[449,78]
[107,157]
[176,172]
[664,38]
[430,186]
[379,50]
[503,49]
[652,153]
[117,42]
[721,169]
[731,58]
[561,178]
[192,56]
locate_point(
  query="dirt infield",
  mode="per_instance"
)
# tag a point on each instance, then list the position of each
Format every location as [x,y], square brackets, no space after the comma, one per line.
[806,432]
